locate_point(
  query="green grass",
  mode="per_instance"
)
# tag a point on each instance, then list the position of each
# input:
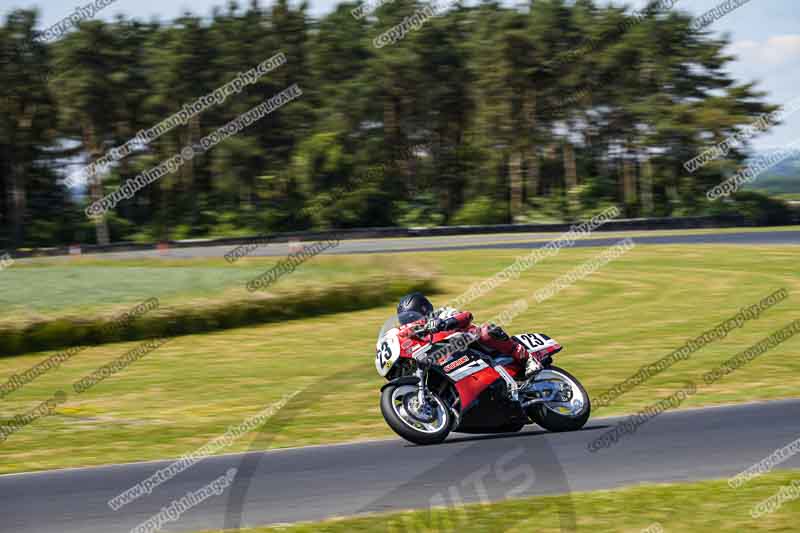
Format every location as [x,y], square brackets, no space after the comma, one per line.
[684,507]
[188,300]
[633,311]
[63,286]
[788,196]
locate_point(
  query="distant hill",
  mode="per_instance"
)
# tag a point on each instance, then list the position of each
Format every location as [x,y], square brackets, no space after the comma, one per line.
[783,178]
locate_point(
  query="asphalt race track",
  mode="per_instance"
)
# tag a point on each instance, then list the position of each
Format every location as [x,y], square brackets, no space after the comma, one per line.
[479,242]
[318,482]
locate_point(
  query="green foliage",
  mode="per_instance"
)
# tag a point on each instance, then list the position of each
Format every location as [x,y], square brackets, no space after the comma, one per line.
[759,209]
[550,112]
[545,210]
[421,211]
[479,211]
[185,320]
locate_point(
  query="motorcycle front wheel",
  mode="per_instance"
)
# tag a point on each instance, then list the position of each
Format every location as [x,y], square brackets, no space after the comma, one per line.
[429,424]
[572,408]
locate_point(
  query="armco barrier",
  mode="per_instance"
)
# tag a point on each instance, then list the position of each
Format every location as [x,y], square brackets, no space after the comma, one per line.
[726,221]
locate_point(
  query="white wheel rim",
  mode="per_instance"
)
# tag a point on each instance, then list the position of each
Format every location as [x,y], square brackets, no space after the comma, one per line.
[398,401]
[575,405]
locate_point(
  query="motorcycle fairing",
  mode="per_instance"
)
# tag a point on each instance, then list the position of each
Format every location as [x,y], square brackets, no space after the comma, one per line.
[489,407]
[466,370]
[387,352]
[469,387]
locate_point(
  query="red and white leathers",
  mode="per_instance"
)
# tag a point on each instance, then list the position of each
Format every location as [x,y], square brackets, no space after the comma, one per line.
[462,322]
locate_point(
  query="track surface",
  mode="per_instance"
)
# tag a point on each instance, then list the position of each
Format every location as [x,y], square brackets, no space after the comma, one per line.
[319,482]
[480,242]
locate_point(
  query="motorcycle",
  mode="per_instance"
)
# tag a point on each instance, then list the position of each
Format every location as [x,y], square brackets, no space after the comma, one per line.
[443,382]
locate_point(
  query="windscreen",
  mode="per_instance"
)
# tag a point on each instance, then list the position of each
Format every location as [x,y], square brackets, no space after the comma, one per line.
[398,320]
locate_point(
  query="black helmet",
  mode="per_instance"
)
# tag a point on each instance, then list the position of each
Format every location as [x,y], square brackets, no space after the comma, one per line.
[413,307]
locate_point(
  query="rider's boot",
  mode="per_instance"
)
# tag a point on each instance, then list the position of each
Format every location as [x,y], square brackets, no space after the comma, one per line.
[532,366]
[496,339]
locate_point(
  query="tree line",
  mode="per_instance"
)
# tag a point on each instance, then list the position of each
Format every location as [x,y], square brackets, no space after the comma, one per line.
[481,114]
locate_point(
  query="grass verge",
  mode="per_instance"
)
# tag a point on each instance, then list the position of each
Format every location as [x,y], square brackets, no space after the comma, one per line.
[679,507]
[631,312]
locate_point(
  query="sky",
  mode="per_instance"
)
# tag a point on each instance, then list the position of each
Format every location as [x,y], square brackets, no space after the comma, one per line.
[764,35]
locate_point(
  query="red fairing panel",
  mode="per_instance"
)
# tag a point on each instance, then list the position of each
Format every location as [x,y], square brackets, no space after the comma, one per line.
[471,386]
[513,369]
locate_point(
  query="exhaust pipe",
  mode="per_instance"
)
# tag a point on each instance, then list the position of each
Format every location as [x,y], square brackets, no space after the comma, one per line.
[527,404]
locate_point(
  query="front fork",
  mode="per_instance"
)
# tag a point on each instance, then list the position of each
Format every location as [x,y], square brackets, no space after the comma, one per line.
[422,397]
[422,388]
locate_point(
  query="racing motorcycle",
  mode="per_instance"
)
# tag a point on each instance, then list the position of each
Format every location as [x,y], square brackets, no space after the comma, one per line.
[440,382]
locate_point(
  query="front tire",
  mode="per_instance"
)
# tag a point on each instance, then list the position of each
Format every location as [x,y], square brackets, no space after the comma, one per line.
[562,416]
[398,404]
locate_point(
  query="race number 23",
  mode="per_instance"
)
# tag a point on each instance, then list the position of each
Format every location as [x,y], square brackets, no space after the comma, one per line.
[531,340]
[384,354]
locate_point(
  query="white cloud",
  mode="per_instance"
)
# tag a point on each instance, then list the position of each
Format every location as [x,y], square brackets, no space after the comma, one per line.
[785,46]
[777,50]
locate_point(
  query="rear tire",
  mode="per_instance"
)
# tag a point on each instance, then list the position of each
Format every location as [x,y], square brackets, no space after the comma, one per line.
[555,422]
[405,429]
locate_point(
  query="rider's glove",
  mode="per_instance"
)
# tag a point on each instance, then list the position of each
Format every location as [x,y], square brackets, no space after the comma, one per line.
[449,323]
[433,325]
[446,312]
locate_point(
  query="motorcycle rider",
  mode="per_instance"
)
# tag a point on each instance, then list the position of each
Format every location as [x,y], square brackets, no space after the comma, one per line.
[490,336]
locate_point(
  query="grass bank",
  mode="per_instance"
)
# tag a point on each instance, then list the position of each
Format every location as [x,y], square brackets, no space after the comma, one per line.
[631,312]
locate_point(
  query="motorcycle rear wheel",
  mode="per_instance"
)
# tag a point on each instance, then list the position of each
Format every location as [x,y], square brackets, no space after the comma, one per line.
[397,407]
[562,416]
